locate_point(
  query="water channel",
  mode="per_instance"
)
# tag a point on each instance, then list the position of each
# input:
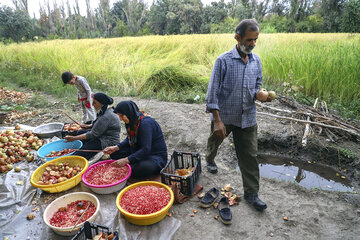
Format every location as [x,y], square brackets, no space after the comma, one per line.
[307,174]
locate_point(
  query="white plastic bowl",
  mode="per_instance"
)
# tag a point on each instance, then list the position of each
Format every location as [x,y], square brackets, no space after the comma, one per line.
[109,188]
[62,202]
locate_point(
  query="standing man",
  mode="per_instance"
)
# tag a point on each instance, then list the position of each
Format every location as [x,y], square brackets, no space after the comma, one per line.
[233,87]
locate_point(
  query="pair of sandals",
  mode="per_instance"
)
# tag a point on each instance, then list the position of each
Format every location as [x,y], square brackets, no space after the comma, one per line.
[223,205]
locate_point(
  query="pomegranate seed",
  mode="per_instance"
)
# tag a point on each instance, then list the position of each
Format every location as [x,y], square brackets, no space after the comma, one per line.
[145,199]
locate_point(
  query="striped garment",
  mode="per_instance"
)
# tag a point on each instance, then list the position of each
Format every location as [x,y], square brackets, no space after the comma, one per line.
[232,88]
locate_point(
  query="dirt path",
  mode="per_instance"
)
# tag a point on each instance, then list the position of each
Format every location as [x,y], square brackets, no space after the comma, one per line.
[312,214]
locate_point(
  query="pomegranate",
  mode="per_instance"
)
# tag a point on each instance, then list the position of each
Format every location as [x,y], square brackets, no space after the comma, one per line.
[272,95]
[262,95]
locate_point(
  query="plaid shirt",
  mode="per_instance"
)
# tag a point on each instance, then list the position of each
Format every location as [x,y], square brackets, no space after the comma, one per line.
[232,88]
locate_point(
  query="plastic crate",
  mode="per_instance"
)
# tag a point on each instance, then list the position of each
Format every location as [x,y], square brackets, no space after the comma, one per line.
[180,160]
[90,230]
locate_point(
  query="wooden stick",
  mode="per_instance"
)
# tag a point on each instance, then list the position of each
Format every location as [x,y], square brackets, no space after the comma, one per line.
[351,131]
[332,119]
[307,127]
[71,118]
[80,217]
[86,150]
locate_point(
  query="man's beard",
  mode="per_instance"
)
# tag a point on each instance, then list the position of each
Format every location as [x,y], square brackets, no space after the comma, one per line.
[244,49]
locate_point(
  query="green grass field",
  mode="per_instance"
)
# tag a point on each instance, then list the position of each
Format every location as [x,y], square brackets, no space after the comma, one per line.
[177,68]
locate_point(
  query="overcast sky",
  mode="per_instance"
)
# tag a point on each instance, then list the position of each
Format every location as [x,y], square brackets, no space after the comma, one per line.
[34,4]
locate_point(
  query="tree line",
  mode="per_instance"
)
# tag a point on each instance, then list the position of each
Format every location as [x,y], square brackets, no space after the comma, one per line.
[165,17]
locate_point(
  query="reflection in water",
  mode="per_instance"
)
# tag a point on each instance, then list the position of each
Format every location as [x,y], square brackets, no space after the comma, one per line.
[300,175]
[309,175]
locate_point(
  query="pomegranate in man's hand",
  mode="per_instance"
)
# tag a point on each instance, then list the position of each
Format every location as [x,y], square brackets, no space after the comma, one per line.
[272,95]
[262,95]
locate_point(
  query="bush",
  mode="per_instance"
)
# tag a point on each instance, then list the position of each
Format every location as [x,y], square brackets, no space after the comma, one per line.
[226,26]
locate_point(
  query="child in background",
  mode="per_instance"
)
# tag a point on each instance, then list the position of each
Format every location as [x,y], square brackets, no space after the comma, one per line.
[84,95]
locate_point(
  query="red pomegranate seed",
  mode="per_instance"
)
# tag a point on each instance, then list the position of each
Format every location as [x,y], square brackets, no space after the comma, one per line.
[69,215]
[104,174]
[145,199]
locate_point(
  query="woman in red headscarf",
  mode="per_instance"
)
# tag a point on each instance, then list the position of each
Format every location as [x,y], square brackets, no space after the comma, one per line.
[144,148]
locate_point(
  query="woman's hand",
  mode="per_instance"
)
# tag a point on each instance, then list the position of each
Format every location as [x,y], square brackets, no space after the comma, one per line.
[110,150]
[85,126]
[69,138]
[121,162]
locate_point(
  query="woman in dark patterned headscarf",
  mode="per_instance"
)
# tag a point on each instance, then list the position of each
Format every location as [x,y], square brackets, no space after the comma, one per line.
[103,132]
[144,148]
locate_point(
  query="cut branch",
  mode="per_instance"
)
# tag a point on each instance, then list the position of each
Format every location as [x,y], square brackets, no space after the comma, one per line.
[307,127]
[351,131]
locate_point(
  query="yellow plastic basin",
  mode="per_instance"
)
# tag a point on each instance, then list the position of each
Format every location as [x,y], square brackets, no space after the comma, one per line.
[147,219]
[65,185]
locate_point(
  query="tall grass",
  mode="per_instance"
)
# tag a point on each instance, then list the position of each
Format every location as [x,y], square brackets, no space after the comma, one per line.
[179,67]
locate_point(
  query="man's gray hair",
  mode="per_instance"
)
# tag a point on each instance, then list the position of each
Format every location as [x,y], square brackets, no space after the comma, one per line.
[246,24]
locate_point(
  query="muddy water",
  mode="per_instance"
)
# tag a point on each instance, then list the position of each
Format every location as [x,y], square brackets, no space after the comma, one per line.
[307,174]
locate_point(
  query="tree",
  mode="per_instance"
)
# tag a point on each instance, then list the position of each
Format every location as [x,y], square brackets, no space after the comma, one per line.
[213,14]
[131,12]
[90,16]
[14,24]
[157,16]
[121,29]
[299,10]
[103,15]
[226,26]
[21,5]
[350,21]
[331,11]
[190,16]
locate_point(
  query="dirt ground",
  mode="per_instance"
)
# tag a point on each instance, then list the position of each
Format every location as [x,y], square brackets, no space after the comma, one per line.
[311,213]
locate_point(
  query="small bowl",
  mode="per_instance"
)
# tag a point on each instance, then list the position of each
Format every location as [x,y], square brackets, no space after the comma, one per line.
[65,185]
[58,145]
[147,219]
[109,188]
[62,202]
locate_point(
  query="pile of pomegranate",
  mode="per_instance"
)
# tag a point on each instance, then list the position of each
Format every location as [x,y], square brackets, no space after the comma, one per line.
[59,172]
[71,127]
[15,146]
[60,153]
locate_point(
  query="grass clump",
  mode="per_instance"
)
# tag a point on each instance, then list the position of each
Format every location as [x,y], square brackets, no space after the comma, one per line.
[173,83]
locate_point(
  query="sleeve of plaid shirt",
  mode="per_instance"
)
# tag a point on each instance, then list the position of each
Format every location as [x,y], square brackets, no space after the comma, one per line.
[214,85]
[258,79]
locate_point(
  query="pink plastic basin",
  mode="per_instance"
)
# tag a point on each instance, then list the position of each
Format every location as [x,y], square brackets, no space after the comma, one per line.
[108,188]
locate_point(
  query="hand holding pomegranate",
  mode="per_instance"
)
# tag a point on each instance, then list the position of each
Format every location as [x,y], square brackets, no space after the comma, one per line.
[264,96]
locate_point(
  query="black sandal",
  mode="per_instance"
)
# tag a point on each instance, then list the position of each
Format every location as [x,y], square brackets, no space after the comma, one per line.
[209,197]
[224,210]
